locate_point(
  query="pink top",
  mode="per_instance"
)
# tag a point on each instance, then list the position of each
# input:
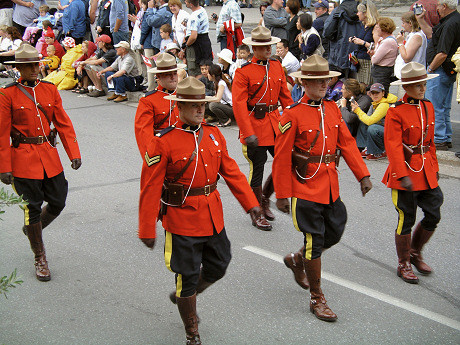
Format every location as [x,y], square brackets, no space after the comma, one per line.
[386,52]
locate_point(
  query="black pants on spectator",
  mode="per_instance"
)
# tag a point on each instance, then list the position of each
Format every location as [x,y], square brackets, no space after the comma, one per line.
[382,75]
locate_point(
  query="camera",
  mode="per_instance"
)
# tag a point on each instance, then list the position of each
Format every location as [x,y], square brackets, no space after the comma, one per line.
[214,16]
[418,9]
[352,99]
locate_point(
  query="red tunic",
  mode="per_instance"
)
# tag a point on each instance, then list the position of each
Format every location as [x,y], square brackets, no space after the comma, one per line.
[247,80]
[403,124]
[152,109]
[298,126]
[199,215]
[30,160]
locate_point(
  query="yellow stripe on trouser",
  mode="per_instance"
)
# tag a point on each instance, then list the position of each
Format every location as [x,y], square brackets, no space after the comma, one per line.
[309,244]
[23,207]
[168,254]
[251,166]
[394,197]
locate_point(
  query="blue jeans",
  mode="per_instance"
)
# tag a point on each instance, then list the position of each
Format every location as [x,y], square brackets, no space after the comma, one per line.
[371,137]
[439,91]
[306,3]
[122,84]
[120,36]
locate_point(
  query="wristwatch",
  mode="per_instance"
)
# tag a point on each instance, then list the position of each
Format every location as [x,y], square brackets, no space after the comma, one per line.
[429,70]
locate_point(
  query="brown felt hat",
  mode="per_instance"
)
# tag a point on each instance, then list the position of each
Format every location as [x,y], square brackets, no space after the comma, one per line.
[24,54]
[315,67]
[166,63]
[261,36]
[412,73]
[190,89]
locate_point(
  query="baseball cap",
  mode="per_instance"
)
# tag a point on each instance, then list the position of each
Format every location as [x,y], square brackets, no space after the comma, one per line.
[321,3]
[122,44]
[104,38]
[377,87]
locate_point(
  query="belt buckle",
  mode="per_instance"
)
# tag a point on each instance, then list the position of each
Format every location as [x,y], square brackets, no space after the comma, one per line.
[423,149]
[41,139]
[327,159]
[207,190]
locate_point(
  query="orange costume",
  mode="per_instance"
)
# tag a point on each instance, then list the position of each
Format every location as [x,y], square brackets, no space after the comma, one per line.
[153,114]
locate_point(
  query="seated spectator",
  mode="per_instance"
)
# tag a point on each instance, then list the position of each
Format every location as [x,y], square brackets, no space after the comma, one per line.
[334,87]
[39,40]
[297,91]
[44,15]
[50,40]
[225,59]
[288,60]
[64,77]
[210,88]
[103,21]
[370,129]
[51,62]
[385,53]
[174,49]
[353,88]
[309,39]
[105,56]
[222,107]
[74,21]
[15,40]
[123,71]
[88,49]
[5,42]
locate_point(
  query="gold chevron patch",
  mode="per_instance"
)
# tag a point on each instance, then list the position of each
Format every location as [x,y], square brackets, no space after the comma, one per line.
[285,127]
[152,160]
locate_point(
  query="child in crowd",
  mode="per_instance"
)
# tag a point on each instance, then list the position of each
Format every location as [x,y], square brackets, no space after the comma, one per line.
[51,62]
[165,33]
[44,15]
[41,41]
[209,90]
[173,49]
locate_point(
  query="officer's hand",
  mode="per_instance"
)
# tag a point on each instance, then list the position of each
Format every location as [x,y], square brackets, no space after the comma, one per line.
[149,242]
[366,185]
[283,205]
[76,163]
[406,183]
[6,178]
[255,212]
[252,141]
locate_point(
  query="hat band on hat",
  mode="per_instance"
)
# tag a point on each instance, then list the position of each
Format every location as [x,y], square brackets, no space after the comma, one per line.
[261,39]
[183,96]
[20,59]
[315,72]
[414,78]
[167,67]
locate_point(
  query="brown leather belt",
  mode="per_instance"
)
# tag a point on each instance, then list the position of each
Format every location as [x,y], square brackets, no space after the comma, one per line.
[420,150]
[327,159]
[263,107]
[206,190]
[35,140]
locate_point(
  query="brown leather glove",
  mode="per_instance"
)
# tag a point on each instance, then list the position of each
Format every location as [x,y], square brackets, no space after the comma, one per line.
[76,163]
[149,242]
[406,183]
[6,178]
[255,212]
[366,185]
[283,205]
[252,141]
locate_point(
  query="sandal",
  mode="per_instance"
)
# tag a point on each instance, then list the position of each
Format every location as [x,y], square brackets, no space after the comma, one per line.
[225,124]
[82,91]
[77,89]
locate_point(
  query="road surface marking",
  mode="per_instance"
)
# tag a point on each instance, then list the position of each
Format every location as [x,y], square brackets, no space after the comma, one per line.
[369,292]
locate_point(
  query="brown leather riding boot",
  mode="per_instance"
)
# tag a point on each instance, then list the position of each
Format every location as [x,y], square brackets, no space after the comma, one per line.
[45,217]
[260,222]
[34,233]
[202,285]
[318,304]
[404,266]
[420,236]
[267,191]
[294,261]
[187,311]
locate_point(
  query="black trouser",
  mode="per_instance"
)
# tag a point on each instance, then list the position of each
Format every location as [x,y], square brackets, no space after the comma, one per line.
[187,256]
[52,190]
[321,224]
[257,156]
[382,75]
[406,203]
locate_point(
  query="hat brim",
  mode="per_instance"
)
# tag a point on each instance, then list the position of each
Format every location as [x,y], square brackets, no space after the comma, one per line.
[155,70]
[299,75]
[175,98]
[20,62]
[400,82]
[248,41]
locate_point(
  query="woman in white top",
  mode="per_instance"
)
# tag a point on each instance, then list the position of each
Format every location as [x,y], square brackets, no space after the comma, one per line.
[15,41]
[5,42]
[178,21]
[412,47]
[222,107]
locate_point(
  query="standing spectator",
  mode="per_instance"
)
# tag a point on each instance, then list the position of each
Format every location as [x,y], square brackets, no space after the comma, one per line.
[368,15]
[431,15]
[262,8]
[25,12]
[103,19]
[289,61]
[322,12]
[179,21]
[146,43]
[136,46]
[444,42]
[156,18]
[342,24]
[292,8]
[385,53]
[222,106]
[276,19]
[119,21]
[165,33]
[74,21]
[352,88]
[50,40]
[6,12]
[230,10]
[62,5]
[197,43]
[309,39]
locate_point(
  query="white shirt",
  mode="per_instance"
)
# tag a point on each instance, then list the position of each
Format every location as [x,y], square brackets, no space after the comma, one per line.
[178,28]
[291,63]
[198,22]
[227,95]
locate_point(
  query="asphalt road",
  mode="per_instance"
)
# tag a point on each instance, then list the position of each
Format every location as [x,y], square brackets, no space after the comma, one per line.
[108,288]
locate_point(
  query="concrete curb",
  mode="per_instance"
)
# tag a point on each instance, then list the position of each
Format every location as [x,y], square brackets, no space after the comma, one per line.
[448,158]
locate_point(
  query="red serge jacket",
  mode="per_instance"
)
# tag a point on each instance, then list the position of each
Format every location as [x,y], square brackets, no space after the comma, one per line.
[299,126]
[403,124]
[246,81]
[164,159]
[18,111]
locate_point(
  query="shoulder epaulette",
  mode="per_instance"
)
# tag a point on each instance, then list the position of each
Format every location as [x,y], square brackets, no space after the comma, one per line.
[10,84]
[293,105]
[164,131]
[150,93]
[426,100]
[46,82]
[396,104]
[246,64]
